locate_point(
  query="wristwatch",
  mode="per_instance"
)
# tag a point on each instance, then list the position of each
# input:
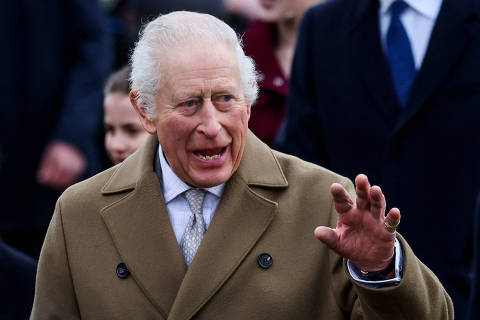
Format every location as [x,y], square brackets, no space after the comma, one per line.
[378,275]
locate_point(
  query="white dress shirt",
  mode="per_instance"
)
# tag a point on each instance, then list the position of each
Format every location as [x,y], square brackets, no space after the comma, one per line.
[418,20]
[177,206]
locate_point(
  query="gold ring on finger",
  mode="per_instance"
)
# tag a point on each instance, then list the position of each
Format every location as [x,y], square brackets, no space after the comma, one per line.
[390,227]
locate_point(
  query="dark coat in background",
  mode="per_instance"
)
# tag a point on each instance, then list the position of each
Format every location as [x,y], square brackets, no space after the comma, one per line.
[55,57]
[17,278]
[343,114]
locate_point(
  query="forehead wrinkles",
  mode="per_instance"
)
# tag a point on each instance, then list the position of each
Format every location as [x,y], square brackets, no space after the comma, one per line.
[203,82]
[186,57]
[192,72]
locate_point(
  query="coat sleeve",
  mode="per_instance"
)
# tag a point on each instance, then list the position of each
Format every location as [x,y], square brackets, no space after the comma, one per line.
[419,295]
[302,122]
[54,291]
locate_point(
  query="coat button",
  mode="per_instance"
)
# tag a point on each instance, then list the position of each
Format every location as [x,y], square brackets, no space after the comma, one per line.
[122,271]
[265,261]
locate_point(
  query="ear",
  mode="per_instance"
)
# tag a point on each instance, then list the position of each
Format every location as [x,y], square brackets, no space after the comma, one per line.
[147,123]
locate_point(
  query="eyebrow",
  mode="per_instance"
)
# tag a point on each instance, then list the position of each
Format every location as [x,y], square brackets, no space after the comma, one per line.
[188,94]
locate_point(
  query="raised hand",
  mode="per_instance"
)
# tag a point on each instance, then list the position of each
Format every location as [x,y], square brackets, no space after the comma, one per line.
[363,233]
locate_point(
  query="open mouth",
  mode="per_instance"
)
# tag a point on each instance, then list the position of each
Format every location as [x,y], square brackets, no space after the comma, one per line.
[210,154]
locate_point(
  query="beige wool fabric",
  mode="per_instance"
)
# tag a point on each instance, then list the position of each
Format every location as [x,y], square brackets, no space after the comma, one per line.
[270,205]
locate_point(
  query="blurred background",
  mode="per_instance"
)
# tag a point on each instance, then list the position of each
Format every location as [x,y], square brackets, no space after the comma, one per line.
[66,116]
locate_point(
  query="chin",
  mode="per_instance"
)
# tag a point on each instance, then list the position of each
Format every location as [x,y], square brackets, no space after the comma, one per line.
[210,180]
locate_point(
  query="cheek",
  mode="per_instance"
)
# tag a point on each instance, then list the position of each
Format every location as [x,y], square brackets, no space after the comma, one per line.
[242,121]
[108,141]
[175,131]
[238,129]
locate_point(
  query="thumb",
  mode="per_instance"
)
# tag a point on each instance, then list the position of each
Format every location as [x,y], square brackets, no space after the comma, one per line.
[327,235]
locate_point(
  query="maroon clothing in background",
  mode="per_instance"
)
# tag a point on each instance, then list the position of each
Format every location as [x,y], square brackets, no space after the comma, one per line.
[269,110]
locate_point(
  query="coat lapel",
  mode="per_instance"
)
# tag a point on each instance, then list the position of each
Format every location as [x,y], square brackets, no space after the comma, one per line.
[141,230]
[448,42]
[241,218]
[369,60]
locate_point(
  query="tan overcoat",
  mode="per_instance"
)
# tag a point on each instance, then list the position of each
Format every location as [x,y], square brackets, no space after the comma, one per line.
[270,205]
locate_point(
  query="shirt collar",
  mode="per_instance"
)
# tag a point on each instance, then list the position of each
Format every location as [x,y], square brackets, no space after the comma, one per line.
[427,8]
[173,186]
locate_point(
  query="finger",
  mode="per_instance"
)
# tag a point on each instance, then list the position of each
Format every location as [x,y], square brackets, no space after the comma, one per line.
[362,188]
[341,198]
[328,236]
[377,202]
[393,218]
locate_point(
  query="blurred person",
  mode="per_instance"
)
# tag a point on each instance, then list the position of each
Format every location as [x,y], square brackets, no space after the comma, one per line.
[127,16]
[404,76]
[54,70]
[271,41]
[124,132]
[17,278]
[205,221]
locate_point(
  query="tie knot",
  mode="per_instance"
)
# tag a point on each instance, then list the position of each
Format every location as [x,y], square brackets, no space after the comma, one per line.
[195,199]
[397,7]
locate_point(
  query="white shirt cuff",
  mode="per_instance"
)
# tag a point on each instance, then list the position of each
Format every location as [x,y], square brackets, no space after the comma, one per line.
[355,272]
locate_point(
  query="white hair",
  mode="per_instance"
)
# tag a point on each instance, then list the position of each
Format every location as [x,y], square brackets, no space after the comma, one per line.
[173,29]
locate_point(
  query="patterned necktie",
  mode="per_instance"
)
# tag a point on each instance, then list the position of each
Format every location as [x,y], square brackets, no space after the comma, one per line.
[399,54]
[195,229]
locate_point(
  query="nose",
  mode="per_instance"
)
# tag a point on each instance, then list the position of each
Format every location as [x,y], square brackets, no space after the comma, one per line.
[209,120]
[115,142]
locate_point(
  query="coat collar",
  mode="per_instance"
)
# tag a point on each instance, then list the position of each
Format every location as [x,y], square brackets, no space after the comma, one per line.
[133,169]
[142,233]
[139,226]
[259,166]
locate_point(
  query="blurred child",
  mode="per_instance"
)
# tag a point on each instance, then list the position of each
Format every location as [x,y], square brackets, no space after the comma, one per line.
[124,133]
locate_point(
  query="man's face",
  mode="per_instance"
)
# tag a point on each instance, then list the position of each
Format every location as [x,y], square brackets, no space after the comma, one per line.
[202,116]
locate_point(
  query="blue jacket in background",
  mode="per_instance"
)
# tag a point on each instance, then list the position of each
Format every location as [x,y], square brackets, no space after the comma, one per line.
[343,114]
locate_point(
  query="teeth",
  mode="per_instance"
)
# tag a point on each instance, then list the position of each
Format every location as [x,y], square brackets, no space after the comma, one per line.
[216,156]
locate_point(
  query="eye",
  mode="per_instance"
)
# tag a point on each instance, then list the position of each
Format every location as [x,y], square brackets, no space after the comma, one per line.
[131,130]
[108,128]
[226,98]
[189,107]
[189,103]
[224,101]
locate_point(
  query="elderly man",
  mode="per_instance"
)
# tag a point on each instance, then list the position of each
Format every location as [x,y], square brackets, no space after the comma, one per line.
[206,222]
